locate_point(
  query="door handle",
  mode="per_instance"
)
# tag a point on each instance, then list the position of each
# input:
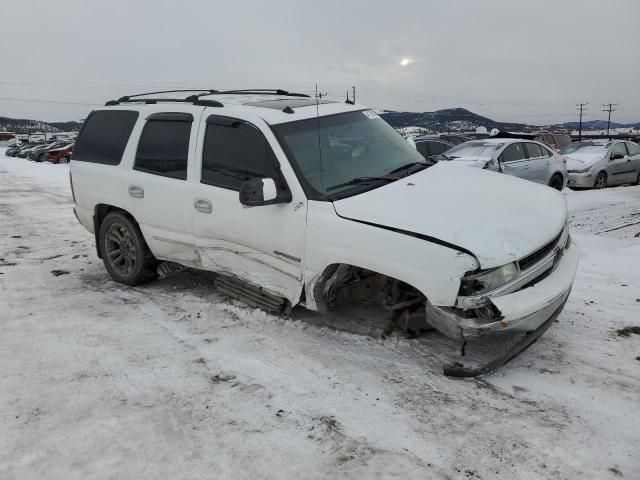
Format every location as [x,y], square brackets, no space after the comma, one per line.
[136,191]
[202,205]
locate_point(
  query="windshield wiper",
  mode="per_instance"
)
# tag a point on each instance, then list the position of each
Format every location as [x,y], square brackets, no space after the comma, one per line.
[408,167]
[358,180]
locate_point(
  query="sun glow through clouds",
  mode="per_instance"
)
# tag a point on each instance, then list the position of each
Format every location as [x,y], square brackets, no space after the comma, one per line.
[404,61]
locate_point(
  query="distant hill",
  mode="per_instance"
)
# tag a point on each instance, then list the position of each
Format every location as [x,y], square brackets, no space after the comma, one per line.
[449,120]
[23,125]
[461,120]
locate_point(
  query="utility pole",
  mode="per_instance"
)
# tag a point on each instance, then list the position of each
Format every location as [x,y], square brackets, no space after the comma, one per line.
[609,109]
[354,94]
[581,109]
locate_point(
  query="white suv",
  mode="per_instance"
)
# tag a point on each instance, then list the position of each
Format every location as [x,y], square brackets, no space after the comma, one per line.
[303,199]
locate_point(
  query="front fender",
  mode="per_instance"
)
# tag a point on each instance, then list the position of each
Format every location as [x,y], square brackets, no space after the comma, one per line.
[435,270]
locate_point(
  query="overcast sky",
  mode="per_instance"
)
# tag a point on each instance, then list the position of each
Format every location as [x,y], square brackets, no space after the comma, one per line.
[511,60]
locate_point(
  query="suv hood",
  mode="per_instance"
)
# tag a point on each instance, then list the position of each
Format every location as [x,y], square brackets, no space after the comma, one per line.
[497,217]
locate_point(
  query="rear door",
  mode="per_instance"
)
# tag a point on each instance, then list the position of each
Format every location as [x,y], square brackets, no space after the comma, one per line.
[159,193]
[538,163]
[513,160]
[263,245]
[621,169]
[634,156]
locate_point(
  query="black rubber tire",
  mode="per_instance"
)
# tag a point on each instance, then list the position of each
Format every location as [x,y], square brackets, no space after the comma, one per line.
[144,263]
[556,182]
[637,182]
[602,183]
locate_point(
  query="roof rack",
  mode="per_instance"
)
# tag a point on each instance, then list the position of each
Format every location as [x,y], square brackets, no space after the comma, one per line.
[195,98]
[261,91]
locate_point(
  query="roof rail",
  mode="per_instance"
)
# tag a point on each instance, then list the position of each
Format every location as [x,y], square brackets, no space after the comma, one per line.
[261,91]
[195,98]
[207,91]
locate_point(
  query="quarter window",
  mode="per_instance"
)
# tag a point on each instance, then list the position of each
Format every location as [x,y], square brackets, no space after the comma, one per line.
[104,136]
[534,150]
[164,146]
[513,153]
[234,152]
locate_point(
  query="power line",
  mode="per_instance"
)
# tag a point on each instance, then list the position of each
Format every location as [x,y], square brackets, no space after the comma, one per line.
[41,100]
[582,109]
[609,109]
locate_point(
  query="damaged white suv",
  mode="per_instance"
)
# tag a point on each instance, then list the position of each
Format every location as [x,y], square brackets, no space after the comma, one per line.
[299,200]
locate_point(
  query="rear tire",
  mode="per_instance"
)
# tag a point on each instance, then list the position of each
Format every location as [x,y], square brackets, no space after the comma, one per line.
[125,254]
[600,181]
[556,182]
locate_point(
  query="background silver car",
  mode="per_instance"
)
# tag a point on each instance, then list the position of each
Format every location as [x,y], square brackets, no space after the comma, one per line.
[598,163]
[526,159]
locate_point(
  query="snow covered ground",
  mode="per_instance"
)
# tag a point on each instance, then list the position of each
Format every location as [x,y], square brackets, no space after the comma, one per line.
[171,380]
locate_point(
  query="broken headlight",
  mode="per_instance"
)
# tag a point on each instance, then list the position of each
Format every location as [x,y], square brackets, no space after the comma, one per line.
[486,280]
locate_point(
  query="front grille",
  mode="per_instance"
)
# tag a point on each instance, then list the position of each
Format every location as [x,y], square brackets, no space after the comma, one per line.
[539,254]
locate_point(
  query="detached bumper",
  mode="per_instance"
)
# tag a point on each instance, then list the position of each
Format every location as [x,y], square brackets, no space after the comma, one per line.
[522,311]
[581,180]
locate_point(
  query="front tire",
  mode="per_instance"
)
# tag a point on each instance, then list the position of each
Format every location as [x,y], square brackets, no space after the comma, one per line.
[125,254]
[556,182]
[637,182]
[601,181]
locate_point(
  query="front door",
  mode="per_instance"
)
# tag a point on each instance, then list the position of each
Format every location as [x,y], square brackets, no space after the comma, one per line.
[263,245]
[621,169]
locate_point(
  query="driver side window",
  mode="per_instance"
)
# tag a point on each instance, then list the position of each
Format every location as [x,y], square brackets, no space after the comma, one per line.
[618,149]
[235,151]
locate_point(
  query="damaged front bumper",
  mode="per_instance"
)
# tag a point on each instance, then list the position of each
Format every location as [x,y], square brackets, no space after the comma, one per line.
[522,311]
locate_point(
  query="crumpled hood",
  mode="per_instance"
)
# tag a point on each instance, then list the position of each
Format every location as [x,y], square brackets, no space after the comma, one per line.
[497,217]
[469,162]
[577,161]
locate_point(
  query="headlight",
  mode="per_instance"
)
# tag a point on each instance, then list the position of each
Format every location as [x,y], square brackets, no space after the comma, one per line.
[487,280]
[582,170]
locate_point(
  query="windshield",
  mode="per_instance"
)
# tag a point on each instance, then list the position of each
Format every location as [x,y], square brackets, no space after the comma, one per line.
[588,148]
[480,150]
[336,149]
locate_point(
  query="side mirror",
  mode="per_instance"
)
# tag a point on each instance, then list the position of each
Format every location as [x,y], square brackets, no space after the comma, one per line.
[259,191]
[617,156]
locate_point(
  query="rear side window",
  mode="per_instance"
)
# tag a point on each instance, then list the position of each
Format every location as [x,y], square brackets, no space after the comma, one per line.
[534,150]
[104,136]
[164,146]
[234,152]
[634,148]
[513,153]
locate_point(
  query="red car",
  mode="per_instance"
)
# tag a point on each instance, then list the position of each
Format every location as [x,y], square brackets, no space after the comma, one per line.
[60,155]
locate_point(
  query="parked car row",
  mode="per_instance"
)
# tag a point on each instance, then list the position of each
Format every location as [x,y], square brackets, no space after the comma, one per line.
[54,152]
[589,164]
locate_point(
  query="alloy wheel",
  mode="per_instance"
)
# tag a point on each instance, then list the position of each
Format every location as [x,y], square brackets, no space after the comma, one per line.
[121,250]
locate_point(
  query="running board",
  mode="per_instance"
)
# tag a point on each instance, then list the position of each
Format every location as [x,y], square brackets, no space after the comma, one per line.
[256,297]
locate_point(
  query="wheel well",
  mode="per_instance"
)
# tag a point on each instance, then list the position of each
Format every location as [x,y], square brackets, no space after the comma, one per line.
[340,283]
[100,212]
